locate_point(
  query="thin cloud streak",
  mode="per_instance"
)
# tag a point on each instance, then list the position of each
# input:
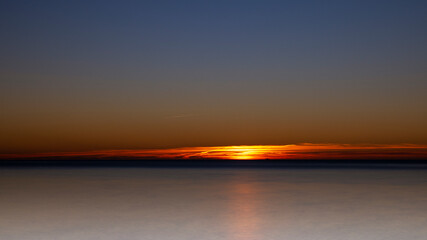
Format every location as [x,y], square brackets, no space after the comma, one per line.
[252,152]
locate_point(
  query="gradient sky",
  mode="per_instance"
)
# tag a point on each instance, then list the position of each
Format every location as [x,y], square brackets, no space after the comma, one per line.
[92,75]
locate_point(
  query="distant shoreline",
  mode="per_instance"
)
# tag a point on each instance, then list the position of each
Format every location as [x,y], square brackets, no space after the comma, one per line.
[200,163]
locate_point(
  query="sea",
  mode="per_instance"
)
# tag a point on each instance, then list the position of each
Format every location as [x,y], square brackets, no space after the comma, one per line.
[169,203]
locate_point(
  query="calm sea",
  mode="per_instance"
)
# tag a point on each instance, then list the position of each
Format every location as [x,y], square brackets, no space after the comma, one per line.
[192,203]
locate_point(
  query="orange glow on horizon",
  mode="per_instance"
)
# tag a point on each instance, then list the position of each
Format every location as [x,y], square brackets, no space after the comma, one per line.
[253,152]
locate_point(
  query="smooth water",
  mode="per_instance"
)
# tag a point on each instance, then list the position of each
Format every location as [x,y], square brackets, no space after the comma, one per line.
[143,203]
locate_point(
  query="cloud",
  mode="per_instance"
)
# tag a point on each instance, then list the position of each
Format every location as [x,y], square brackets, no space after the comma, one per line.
[294,151]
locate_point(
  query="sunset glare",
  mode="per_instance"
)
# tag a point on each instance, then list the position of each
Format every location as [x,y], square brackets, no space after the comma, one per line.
[255,152]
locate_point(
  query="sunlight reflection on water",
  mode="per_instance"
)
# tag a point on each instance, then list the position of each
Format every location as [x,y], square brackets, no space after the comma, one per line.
[244,202]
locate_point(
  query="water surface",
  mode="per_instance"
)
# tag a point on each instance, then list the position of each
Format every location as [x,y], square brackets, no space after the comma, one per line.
[171,203]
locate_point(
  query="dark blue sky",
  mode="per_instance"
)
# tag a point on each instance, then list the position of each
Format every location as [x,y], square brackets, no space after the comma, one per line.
[137,74]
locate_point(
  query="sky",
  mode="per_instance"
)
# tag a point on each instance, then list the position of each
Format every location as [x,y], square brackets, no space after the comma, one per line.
[99,75]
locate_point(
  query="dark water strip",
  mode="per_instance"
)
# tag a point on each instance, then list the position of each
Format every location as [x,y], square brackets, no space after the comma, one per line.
[167,163]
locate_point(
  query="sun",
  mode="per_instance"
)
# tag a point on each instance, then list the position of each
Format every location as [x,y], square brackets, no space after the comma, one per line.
[243,155]
[243,152]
